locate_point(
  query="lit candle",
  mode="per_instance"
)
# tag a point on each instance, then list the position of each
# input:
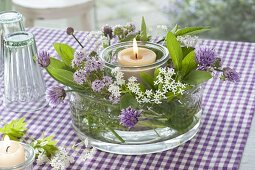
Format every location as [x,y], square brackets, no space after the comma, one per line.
[11,153]
[136,56]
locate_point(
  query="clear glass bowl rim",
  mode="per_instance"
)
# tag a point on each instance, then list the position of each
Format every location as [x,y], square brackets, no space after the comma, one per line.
[158,62]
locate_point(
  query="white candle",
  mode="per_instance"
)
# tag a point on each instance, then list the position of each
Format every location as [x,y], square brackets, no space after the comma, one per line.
[136,56]
[11,153]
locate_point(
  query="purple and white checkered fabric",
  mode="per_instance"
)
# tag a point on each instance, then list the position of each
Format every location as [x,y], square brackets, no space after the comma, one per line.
[227,114]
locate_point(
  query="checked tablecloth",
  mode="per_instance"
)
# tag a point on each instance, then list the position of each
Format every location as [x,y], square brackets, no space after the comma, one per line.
[228,109]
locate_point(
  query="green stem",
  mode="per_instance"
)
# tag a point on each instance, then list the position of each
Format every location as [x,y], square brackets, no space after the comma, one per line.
[77,41]
[76,90]
[116,135]
[217,69]
[156,132]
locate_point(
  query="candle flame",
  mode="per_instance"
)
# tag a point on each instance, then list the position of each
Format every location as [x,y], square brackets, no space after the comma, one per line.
[135,48]
[6,138]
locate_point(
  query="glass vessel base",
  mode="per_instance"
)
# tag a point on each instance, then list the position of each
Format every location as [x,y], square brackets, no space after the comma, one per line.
[146,142]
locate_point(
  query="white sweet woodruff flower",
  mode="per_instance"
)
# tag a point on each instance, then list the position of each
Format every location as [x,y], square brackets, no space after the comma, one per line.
[89,153]
[164,79]
[115,87]
[133,86]
[119,76]
[114,90]
[188,40]
[42,158]
[61,160]
[162,27]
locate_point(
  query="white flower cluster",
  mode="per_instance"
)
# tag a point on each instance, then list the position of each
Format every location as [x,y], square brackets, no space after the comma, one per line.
[42,158]
[89,153]
[61,160]
[162,27]
[114,88]
[188,40]
[164,79]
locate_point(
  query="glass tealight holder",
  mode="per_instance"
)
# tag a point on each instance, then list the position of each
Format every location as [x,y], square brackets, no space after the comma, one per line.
[110,56]
[29,159]
[24,87]
[10,22]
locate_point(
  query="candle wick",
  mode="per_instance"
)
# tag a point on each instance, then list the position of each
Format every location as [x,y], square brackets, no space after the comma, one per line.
[135,55]
[7,148]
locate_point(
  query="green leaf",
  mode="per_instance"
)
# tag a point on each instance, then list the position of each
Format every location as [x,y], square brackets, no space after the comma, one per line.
[15,129]
[176,27]
[197,77]
[130,37]
[187,50]
[143,33]
[65,52]
[174,49]
[191,30]
[64,77]
[128,100]
[57,64]
[188,63]
[147,80]
[46,145]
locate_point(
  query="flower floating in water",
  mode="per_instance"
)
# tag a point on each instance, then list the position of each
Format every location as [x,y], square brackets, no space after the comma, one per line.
[43,59]
[129,117]
[55,95]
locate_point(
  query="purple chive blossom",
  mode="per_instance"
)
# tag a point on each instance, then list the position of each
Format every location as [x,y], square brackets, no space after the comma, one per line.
[97,85]
[114,99]
[93,65]
[55,95]
[107,30]
[79,58]
[230,74]
[107,80]
[80,76]
[43,59]
[202,68]
[205,56]
[129,117]
[70,30]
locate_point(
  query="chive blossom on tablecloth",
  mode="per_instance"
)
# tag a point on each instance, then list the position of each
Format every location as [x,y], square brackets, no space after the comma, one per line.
[230,74]
[55,95]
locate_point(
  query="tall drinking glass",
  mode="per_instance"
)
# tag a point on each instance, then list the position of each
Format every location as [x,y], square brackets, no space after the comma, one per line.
[24,87]
[10,22]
